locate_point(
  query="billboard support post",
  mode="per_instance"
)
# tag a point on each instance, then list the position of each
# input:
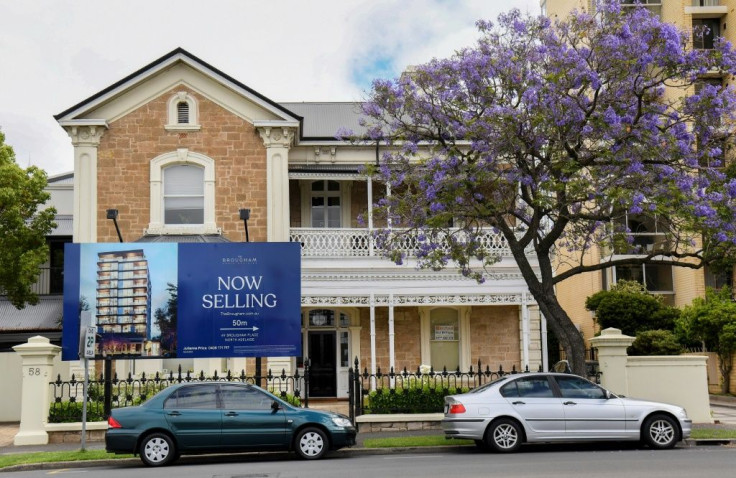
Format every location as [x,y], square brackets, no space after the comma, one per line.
[245,215]
[108,386]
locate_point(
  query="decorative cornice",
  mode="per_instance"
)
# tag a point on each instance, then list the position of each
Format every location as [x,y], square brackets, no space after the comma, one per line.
[413,299]
[276,136]
[85,133]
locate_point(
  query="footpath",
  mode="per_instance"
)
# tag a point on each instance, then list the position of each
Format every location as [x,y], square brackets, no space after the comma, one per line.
[723,410]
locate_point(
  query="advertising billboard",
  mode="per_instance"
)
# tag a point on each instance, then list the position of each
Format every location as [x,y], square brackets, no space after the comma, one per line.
[189,300]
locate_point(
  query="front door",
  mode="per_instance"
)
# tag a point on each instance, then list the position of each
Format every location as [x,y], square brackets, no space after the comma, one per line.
[323,364]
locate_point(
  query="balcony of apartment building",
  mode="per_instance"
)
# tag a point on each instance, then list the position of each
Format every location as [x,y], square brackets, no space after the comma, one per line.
[333,218]
[706,9]
[644,235]
[655,6]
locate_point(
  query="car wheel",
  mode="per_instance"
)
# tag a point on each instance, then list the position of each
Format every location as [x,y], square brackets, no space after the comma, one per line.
[311,443]
[504,435]
[157,449]
[660,432]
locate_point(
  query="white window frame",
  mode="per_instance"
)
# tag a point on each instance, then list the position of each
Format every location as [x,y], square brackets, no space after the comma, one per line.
[173,119]
[178,157]
[346,187]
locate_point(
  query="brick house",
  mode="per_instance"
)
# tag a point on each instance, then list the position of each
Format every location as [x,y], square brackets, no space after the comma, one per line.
[179,148]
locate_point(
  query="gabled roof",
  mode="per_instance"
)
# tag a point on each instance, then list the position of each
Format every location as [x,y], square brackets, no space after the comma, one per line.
[166,61]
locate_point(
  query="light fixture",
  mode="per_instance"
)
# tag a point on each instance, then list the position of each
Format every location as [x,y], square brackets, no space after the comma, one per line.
[113,214]
[245,215]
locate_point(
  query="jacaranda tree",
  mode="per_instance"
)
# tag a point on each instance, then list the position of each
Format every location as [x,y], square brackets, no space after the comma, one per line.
[549,133]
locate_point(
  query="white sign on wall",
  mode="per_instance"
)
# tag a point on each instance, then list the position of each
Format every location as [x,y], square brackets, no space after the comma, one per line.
[444,332]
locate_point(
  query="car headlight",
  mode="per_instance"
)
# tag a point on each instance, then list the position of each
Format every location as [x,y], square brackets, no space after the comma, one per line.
[341,422]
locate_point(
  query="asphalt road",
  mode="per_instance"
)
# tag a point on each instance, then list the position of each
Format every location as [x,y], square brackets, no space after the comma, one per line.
[601,461]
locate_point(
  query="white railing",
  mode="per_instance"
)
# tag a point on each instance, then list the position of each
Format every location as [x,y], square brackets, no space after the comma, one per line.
[355,242]
[706,3]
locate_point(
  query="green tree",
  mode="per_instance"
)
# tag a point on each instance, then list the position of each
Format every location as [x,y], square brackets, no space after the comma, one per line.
[655,342]
[23,227]
[166,319]
[628,306]
[712,322]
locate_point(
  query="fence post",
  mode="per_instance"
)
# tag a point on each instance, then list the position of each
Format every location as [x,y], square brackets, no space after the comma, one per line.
[107,390]
[37,357]
[357,390]
[351,396]
[306,382]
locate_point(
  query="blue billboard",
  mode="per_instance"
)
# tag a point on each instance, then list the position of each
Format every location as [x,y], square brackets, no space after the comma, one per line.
[183,300]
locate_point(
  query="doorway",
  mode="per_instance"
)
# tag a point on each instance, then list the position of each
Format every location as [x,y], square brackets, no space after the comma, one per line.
[323,363]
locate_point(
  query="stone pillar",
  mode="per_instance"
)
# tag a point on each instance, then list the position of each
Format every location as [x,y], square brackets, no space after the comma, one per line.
[37,356]
[85,135]
[277,141]
[612,359]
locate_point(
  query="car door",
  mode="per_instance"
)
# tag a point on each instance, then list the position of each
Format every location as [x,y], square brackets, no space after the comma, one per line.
[194,417]
[534,401]
[588,413]
[249,419]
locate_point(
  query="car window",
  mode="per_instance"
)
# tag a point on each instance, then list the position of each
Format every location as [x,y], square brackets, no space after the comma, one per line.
[244,398]
[577,387]
[529,387]
[200,396]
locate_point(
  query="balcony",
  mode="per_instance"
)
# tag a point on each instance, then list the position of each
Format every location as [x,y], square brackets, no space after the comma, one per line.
[706,9]
[358,242]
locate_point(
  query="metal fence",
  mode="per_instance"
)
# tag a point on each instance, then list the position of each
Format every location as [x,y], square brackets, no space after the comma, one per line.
[105,394]
[419,391]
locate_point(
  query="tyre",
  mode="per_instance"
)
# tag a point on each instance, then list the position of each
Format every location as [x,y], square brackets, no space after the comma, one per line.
[157,449]
[660,432]
[504,435]
[311,444]
[481,445]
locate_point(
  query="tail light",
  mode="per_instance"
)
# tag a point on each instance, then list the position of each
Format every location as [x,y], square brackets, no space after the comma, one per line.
[456,407]
[112,423]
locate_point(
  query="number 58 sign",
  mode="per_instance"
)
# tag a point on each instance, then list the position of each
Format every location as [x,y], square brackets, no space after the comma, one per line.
[89,342]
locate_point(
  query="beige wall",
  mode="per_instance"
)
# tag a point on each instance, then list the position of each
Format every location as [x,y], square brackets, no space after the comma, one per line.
[127,148]
[494,338]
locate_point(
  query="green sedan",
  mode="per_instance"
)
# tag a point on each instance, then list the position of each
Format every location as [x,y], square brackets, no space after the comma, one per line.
[211,417]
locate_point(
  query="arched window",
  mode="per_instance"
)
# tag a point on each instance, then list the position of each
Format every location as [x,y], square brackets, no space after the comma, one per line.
[184,194]
[183,113]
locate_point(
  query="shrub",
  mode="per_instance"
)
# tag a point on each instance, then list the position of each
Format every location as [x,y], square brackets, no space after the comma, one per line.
[71,412]
[416,398]
[655,342]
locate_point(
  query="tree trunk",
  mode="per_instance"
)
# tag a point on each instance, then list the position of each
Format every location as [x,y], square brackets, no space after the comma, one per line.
[725,365]
[564,329]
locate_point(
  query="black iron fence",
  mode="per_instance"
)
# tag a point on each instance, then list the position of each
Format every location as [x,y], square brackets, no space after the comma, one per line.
[419,391]
[105,393]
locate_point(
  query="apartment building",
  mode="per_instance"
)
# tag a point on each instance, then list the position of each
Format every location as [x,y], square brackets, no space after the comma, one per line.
[179,148]
[679,286]
[123,303]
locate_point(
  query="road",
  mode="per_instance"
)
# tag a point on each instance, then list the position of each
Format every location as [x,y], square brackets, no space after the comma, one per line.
[601,461]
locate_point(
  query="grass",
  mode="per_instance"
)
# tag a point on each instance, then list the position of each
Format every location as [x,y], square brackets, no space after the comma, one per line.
[424,440]
[719,433]
[55,456]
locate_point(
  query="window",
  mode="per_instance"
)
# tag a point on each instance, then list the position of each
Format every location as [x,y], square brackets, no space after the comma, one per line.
[576,387]
[647,233]
[199,396]
[322,318]
[655,277]
[244,398]
[325,203]
[184,194]
[528,387]
[717,279]
[705,32]
[183,113]
[444,339]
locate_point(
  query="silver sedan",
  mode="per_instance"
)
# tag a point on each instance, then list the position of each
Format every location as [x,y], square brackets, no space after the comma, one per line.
[556,407]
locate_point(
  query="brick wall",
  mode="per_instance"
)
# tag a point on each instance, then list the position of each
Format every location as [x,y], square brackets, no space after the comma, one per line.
[132,141]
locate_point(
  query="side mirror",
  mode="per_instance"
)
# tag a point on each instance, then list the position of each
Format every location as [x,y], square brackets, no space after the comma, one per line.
[275,406]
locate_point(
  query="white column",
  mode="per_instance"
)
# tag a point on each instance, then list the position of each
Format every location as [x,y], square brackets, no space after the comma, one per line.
[373,337]
[545,351]
[277,141]
[85,139]
[370,215]
[524,332]
[613,359]
[391,334]
[37,356]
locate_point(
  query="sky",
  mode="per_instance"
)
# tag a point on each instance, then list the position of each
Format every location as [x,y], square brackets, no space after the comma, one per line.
[56,53]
